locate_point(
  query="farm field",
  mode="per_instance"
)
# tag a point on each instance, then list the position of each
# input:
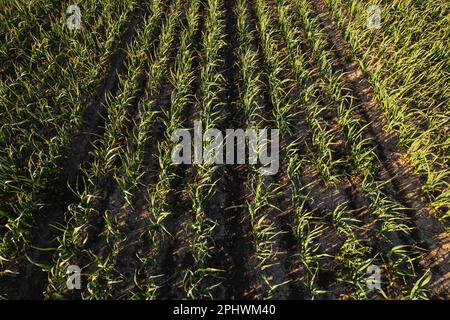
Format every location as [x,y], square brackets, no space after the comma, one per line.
[358,206]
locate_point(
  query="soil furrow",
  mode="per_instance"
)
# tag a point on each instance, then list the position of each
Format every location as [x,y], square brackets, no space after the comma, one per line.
[236,242]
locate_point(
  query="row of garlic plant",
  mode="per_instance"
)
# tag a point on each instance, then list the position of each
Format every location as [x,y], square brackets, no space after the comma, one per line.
[182,79]
[354,253]
[34,93]
[201,278]
[31,157]
[335,92]
[318,144]
[131,172]
[407,72]
[74,242]
[398,260]
[341,217]
[263,230]
[24,25]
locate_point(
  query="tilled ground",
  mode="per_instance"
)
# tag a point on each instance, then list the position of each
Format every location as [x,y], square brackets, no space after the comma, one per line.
[232,242]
